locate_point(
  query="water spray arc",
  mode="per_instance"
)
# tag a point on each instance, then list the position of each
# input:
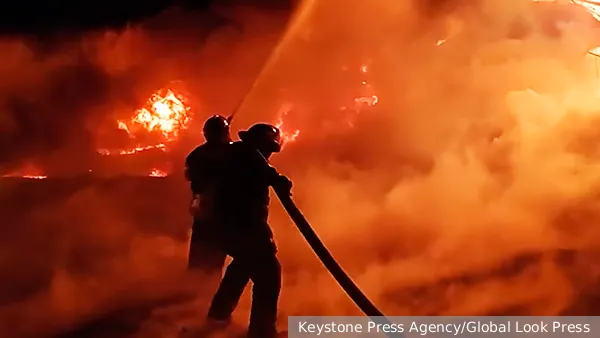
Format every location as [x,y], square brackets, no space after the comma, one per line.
[298,18]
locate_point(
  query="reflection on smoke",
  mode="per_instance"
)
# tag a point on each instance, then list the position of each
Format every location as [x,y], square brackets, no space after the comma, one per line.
[451,179]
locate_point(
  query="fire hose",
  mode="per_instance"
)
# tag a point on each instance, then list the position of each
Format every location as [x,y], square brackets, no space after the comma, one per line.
[334,268]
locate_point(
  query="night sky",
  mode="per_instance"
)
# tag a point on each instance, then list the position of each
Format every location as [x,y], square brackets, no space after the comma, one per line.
[41,124]
[42,18]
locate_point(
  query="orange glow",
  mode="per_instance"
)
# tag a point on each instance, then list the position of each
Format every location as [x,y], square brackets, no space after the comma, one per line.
[367,97]
[350,109]
[368,100]
[592,7]
[130,151]
[165,115]
[455,27]
[454,180]
[35,177]
[287,135]
[157,173]
[28,171]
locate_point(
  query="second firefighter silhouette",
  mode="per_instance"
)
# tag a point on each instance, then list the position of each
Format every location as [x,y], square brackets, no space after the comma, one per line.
[242,206]
[203,166]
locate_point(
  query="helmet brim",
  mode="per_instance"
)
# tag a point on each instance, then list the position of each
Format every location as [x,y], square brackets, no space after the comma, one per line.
[245,137]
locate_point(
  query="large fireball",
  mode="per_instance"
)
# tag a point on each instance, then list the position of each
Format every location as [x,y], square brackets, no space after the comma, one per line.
[162,119]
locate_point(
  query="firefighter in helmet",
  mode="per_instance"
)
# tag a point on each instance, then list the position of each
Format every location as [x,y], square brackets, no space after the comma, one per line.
[242,206]
[202,167]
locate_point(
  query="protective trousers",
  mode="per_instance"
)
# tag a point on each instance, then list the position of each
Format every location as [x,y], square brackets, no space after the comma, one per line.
[254,259]
[206,255]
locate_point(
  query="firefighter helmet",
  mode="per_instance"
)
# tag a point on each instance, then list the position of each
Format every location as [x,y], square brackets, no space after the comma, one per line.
[216,128]
[265,136]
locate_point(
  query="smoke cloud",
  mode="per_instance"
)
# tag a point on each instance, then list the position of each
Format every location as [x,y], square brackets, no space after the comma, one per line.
[469,188]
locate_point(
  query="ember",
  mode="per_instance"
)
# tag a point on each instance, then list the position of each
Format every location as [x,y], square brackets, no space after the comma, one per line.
[366,99]
[453,28]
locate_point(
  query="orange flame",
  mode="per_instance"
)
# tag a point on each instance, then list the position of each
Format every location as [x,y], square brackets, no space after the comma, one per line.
[287,135]
[157,173]
[28,171]
[368,100]
[365,100]
[35,177]
[165,114]
[159,146]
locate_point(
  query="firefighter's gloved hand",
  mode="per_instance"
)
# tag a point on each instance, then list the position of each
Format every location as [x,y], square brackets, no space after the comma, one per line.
[194,208]
[283,185]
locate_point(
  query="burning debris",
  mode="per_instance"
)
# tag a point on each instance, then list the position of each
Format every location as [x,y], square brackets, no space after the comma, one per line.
[167,114]
[363,99]
[31,177]
[157,173]
[162,119]
[28,171]
[158,123]
[366,98]
[286,135]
